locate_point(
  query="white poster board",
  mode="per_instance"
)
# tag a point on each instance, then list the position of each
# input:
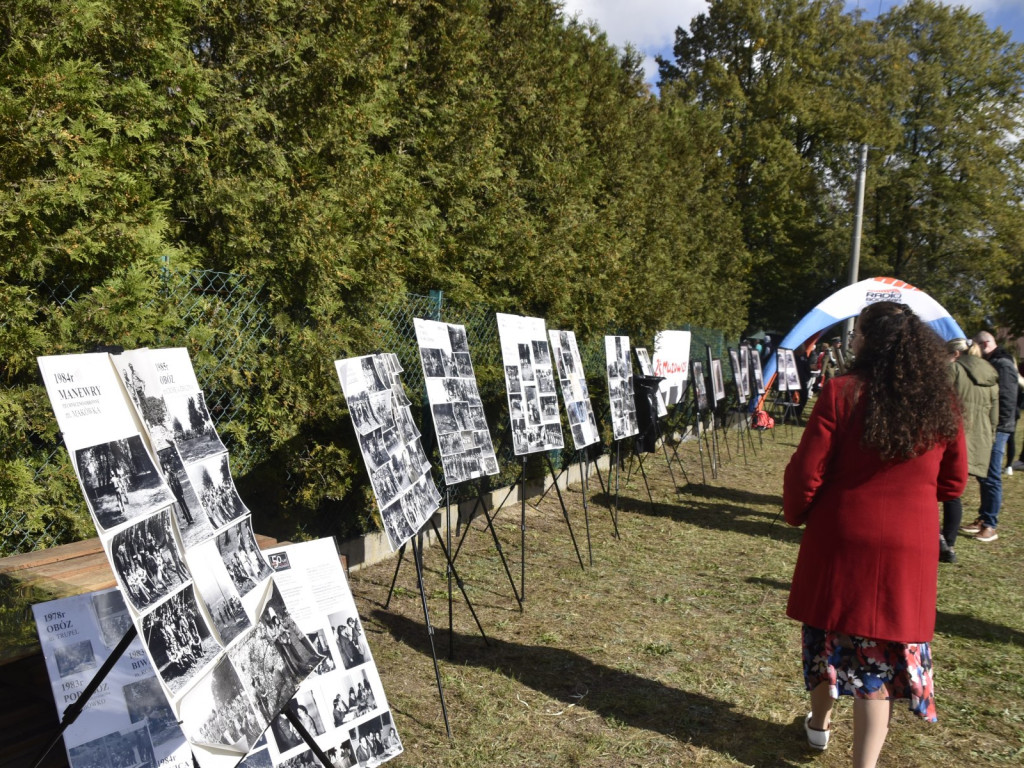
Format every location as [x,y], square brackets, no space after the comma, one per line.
[672,361]
[129,714]
[342,703]
[717,380]
[392,450]
[189,606]
[620,387]
[463,439]
[644,361]
[738,375]
[530,384]
[575,394]
[745,369]
[792,376]
[700,388]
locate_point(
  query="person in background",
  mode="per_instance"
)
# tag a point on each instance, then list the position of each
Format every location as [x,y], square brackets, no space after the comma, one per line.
[977,385]
[1018,465]
[984,527]
[873,460]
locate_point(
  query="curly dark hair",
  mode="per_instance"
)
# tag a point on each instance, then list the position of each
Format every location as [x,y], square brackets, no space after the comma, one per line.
[911,405]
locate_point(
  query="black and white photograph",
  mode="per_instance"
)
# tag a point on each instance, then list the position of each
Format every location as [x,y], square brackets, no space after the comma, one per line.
[575,395]
[305,708]
[792,375]
[179,642]
[745,354]
[242,557]
[700,388]
[373,375]
[444,418]
[259,666]
[120,481]
[755,364]
[717,380]
[285,736]
[211,479]
[146,560]
[432,365]
[74,658]
[545,380]
[216,588]
[143,385]
[375,452]
[147,703]
[525,362]
[512,379]
[259,757]
[385,486]
[376,740]
[363,411]
[300,657]
[112,616]
[355,696]
[737,375]
[643,359]
[318,640]
[396,524]
[217,711]
[342,756]
[457,338]
[128,748]
[620,387]
[191,427]
[193,522]
[348,633]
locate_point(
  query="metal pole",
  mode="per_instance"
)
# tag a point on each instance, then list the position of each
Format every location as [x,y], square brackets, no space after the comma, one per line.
[858,220]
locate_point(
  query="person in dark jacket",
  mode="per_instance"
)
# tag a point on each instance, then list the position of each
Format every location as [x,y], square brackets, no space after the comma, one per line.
[977,385]
[984,528]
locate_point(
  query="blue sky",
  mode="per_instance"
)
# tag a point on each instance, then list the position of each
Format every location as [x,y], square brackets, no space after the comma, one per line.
[650,24]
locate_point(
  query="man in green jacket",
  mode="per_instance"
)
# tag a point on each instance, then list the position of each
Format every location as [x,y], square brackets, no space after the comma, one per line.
[977,386]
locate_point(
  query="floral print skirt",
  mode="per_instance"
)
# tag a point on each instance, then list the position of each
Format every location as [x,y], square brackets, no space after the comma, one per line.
[870,669]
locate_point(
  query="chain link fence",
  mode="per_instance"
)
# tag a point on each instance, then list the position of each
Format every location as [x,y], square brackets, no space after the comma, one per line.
[224,321]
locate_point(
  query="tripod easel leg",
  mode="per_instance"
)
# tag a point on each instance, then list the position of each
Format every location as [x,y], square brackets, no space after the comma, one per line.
[643,473]
[417,550]
[391,589]
[565,513]
[458,580]
[585,487]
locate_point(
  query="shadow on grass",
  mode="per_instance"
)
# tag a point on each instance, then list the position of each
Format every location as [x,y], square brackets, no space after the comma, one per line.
[712,515]
[621,696]
[959,624]
[732,495]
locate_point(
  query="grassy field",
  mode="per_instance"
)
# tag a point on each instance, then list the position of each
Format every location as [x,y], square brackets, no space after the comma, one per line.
[673,648]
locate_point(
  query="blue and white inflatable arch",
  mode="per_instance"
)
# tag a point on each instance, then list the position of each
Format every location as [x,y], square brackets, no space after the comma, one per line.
[849,301]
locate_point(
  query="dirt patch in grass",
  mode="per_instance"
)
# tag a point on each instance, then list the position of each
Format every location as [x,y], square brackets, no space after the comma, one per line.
[673,648]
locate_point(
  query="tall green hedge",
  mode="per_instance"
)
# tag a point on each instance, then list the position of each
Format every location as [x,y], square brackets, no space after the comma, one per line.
[338,154]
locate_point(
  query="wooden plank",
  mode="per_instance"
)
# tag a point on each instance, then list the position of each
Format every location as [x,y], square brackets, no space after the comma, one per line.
[28,560]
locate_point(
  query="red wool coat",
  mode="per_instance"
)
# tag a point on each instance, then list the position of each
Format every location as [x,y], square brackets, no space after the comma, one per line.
[868,562]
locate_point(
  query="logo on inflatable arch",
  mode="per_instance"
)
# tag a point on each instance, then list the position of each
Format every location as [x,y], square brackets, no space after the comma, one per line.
[893,294]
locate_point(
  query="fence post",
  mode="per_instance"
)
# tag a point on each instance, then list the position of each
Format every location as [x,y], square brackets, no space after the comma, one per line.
[436,299]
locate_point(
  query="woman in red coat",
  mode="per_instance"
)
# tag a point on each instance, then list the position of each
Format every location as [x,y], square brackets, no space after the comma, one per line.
[883,445]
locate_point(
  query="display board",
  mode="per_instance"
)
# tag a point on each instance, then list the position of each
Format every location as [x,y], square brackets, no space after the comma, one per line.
[755,367]
[700,389]
[717,380]
[463,438]
[672,361]
[390,443]
[643,359]
[530,384]
[342,703]
[792,377]
[190,605]
[738,375]
[575,393]
[745,370]
[129,715]
[620,387]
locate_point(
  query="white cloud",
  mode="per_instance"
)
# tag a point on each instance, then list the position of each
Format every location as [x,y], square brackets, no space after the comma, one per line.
[650,25]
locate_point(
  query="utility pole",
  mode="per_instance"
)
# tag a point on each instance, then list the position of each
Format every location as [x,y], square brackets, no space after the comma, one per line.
[858,220]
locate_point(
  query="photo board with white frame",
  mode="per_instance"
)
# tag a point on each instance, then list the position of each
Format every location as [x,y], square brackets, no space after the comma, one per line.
[700,389]
[745,370]
[792,375]
[575,393]
[757,372]
[530,384]
[738,375]
[189,605]
[643,359]
[717,380]
[672,362]
[395,461]
[620,387]
[463,438]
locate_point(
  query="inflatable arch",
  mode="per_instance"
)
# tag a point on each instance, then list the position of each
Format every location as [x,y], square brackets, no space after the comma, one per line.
[849,301]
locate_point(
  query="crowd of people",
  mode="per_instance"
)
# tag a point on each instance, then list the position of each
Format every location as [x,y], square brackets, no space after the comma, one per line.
[886,441]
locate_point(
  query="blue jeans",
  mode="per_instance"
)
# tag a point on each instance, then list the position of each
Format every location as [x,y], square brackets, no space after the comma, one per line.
[992,483]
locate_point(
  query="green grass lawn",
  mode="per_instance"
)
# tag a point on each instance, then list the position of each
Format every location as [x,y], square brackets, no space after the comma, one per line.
[673,649]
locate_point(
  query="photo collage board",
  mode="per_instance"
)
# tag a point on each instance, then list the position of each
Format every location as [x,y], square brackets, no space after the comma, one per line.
[575,393]
[390,443]
[700,387]
[179,541]
[342,703]
[530,384]
[463,438]
[789,378]
[619,368]
[643,359]
[717,377]
[746,371]
[672,361]
[739,376]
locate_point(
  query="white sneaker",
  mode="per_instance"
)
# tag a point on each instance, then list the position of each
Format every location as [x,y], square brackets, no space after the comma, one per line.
[1008,471]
